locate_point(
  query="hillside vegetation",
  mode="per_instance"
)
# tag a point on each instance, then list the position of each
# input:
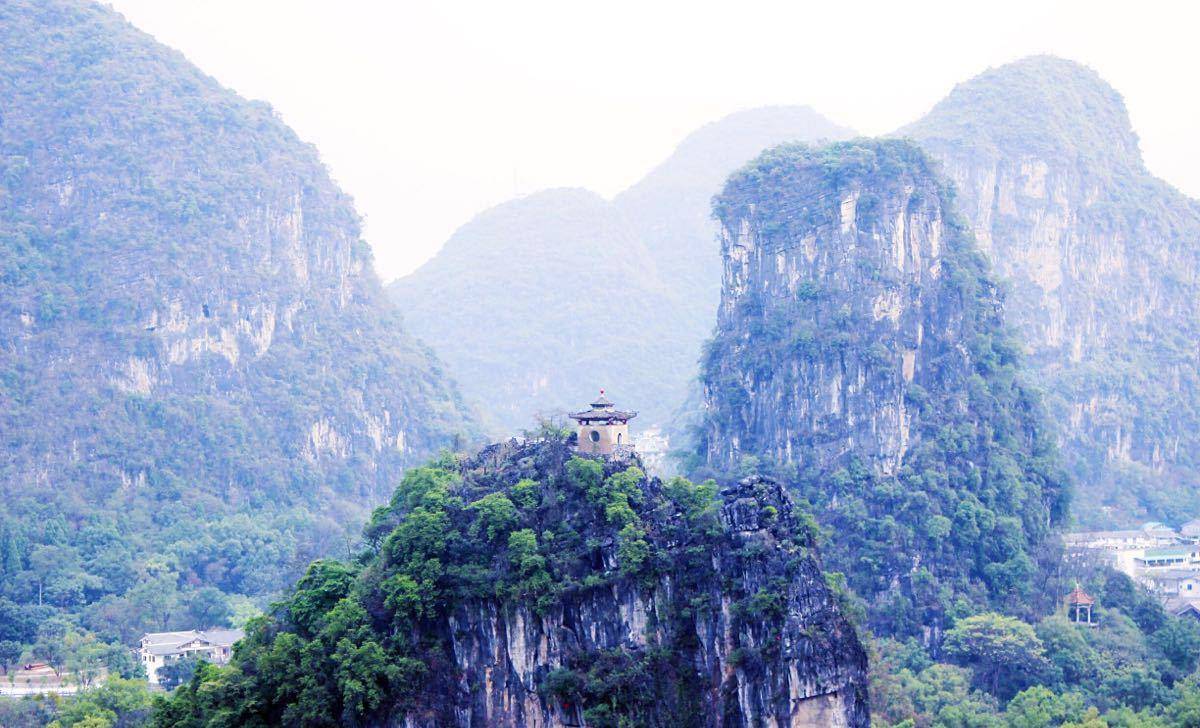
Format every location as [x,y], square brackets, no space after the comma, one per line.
[530,586]
[1103,263]
[201,382]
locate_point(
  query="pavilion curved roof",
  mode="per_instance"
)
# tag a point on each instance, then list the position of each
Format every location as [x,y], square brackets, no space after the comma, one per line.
[602,409]
[1079,596]
[602,414]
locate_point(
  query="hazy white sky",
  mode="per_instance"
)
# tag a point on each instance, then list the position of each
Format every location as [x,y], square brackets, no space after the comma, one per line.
[428,112]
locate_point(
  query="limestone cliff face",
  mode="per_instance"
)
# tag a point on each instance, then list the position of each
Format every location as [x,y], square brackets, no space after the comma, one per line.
[670,208]
[860,353]
[1103,261]
[706,642]
[846,282]
[188,313]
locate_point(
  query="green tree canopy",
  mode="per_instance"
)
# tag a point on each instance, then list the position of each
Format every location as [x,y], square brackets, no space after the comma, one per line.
[1005,653]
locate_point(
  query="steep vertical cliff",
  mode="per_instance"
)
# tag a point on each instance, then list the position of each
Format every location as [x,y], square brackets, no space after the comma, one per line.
[534,298]
[861,354]
[1103,261]
[671,207]
[528,587]
[190,326]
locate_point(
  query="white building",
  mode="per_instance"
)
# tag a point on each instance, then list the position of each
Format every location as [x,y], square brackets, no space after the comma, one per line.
[1185,556]
[1122,550]
[1173,582]
[1142,538]
[654,447]
[1191,530]
[158,649]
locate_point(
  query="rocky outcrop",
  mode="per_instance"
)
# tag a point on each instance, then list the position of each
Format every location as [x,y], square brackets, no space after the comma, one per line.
[732,624]
[871,274]
[530,586]
[835,306]
[860,354]
[670,209]
[1102,259]
[793,662]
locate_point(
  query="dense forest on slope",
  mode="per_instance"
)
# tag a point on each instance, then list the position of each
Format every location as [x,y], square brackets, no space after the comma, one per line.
[528,586]
[861,354]
[537,302]
[201,382]
[1135,669]
[1103,262]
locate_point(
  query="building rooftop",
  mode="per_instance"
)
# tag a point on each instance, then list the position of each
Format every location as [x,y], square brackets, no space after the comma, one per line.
[223,637]
[1169,574]
[1180,606]
[1130,534]
[174,638]
[602,409]
[1079,596]
[168,643]
[1165,552]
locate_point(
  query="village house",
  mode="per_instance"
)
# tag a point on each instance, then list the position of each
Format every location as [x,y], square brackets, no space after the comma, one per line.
[1190,531]
[654,448]
[1174,582]
[1148,536]
[158,649]
[1165,561]
[1183,607]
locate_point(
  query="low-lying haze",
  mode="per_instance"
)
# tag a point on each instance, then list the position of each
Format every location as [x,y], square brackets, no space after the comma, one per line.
[430,112]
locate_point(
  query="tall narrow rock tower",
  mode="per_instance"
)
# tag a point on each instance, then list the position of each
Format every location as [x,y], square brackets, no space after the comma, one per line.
[861,354]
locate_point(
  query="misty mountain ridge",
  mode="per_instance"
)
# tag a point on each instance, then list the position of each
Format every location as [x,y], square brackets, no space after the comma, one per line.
[537,302]
[1045,106]
[1102,260]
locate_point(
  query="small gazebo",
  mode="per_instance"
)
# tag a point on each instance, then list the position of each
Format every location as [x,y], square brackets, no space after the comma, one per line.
[1079,606]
